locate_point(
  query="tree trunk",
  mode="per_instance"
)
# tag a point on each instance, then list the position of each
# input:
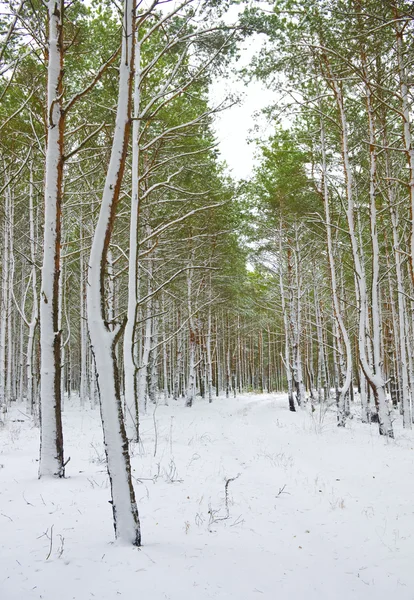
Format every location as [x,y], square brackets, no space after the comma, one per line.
[103,339]
[51,436]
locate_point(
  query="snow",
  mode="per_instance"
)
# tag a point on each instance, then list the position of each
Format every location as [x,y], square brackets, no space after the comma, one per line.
[341,528]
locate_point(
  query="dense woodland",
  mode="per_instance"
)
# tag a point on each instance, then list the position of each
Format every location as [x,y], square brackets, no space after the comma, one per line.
[135,271]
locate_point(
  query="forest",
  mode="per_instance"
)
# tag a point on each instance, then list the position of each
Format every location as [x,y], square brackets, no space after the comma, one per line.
[170,331]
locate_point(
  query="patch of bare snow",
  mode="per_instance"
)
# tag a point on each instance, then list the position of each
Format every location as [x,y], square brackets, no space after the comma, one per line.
[314,511]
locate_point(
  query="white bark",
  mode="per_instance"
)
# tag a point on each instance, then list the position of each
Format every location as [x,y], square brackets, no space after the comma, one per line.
[10,337]
[153,360]
[179,359]
[103,339]
[83,324]
[92,381]
[4,300]
[374,375]
[51,437]
[146,349]
[131,398]
[286,360]
[31,406]
[191,338]
[346,380]
[321,377]
[295,302]
[22,370]
[405,391]
[62,349]
[208,355]
[164,353]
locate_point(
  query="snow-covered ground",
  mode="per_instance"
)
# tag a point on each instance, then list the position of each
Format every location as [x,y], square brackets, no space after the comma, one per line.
[315,512]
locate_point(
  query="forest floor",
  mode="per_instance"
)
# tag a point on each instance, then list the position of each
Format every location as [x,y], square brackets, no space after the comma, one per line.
[316,512]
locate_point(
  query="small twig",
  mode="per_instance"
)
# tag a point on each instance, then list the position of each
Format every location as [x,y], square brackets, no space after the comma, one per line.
[62,544]
[24,414]
[213,513]
[100,459]
[51,542]
[226,492]
[155,431]
[171,435]
[153,478]
[281,491]
[172,475]
[27,502]
[238,521]
[7,517]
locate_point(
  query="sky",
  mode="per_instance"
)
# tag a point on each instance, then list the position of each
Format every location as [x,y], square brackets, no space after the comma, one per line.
[233,125]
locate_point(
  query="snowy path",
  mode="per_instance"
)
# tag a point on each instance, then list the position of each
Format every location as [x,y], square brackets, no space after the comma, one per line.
[342,528]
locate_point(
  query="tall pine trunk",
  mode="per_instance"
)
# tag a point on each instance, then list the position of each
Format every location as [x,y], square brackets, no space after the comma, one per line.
[103,338]
[51,436]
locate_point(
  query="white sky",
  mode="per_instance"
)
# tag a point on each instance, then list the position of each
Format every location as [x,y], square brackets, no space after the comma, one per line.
[234,124]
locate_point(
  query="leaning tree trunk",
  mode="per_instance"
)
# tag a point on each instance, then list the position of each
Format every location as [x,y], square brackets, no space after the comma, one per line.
[51,437]
[103,338]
